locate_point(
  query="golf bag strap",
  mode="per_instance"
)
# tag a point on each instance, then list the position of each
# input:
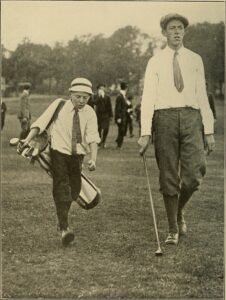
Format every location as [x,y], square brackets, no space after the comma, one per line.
[55,114]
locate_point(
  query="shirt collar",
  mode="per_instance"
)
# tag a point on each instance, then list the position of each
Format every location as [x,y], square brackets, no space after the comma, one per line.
[71,106]
[25,92]
[170,50]
[123,93]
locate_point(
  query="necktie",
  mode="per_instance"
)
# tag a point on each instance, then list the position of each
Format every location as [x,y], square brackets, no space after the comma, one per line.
[178,79]
[76,132]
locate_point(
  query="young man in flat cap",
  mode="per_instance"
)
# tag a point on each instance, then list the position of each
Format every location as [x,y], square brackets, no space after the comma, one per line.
[74,132]
[175,109]
[24,115]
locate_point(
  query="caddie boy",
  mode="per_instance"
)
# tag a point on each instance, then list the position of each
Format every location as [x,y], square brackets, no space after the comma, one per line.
[74,133]
[175,110]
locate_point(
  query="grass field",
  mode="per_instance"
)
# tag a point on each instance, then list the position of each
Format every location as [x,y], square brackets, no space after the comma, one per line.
[113,253]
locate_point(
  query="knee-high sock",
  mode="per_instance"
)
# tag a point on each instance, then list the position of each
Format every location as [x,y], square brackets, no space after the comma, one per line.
[171,205]
[62,209]
[185,195]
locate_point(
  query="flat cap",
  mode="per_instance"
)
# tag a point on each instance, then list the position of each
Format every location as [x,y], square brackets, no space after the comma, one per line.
[165,20]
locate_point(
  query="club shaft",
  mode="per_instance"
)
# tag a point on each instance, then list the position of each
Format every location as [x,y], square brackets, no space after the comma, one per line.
[151,201]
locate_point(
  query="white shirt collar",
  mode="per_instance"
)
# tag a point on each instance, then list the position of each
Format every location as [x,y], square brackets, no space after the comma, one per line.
[71,106]
[25,92]
[170,50]
[123,93]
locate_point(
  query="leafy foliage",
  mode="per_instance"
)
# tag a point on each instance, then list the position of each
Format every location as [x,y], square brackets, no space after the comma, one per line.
[122,56]
[208,40]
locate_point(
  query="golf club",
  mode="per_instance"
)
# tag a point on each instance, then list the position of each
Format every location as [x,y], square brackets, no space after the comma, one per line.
[158,252]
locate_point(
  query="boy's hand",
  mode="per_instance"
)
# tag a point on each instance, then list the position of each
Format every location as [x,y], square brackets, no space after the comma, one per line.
[31,150]
[22,144]
[91,165]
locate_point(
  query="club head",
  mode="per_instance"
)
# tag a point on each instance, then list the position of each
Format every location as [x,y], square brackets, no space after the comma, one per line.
[158,252]
[14,141]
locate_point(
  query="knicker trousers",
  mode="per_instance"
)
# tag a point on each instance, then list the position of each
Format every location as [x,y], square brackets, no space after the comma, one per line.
[179,149]
[66,171]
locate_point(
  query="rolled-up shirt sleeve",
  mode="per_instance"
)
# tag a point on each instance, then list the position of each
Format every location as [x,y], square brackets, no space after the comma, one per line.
[43,121]
[148,98]
[91,132]
[206,112]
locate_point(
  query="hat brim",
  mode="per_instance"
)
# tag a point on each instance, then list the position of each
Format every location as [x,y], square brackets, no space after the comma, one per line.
[80,88]
[180,18]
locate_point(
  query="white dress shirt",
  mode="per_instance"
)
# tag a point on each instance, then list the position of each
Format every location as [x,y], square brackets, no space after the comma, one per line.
[61,128]
[160,92]
[123,92]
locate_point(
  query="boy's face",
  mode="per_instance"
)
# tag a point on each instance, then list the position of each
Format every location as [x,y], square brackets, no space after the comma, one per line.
[174,32]
[79,99]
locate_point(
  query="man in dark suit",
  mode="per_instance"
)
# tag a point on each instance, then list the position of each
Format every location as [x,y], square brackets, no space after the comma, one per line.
[129,116]
[104,113]
[3,113]
[120,113]
[24,114]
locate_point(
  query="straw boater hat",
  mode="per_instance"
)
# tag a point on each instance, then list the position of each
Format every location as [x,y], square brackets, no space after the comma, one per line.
[81,85]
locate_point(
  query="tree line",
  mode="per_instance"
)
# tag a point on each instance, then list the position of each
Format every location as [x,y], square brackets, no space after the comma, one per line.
[122,56]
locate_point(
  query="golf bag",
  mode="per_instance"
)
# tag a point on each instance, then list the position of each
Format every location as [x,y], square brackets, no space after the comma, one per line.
[39,150]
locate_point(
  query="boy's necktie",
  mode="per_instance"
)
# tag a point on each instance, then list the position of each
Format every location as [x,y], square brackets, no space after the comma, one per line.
[76,132]
[178,79]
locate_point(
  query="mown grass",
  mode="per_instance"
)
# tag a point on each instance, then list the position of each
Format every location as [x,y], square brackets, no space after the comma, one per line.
[113,253]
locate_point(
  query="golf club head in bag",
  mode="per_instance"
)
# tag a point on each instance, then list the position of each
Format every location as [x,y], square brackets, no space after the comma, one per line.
[39,150]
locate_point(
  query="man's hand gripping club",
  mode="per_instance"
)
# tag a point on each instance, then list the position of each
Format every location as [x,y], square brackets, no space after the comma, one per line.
[144,143]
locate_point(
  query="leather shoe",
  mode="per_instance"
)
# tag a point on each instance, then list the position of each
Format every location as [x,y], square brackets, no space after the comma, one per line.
[67,237]
[172,239]
[182,228]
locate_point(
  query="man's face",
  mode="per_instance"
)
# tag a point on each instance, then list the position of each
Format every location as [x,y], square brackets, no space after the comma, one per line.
[79,99]
[174,33]
[101,91]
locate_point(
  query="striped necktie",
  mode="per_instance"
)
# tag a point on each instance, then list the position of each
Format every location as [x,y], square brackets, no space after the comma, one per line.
[178,79]
[76,132]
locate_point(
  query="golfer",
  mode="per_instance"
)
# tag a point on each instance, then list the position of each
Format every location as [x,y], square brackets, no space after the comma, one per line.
[74,133]
[176,111]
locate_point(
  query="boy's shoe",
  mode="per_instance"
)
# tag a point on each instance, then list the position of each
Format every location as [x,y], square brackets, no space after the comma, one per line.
[67,237]
[172,239]
[182,228]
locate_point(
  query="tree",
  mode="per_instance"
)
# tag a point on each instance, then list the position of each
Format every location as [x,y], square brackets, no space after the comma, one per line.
[29,62]
[208,41]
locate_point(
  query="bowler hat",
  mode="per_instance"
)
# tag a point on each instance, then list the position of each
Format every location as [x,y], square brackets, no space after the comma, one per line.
[81,85]
[101,85]
[166,19]
[25,85]
[123,85]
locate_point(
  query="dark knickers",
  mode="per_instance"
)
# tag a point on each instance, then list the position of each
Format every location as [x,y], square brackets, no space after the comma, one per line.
[179,149]
[66,172]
